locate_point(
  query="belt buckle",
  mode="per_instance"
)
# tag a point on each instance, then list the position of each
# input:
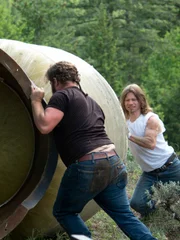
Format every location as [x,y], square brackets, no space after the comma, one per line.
[163,167]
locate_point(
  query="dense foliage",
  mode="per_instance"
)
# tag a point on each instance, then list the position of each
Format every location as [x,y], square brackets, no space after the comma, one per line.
[126,41]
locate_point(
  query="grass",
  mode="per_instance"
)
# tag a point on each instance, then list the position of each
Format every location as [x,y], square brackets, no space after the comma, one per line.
[103,227]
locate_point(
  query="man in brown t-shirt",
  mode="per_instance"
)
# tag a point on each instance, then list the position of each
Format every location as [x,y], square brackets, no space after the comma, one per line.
[94,170]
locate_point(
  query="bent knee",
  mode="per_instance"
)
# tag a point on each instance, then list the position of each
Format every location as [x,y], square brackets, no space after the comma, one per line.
[136,205]
[141,207]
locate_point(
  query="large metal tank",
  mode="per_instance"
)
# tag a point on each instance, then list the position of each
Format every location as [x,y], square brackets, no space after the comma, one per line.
[30,169]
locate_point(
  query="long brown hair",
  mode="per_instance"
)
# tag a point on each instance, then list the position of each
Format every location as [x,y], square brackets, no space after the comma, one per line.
[139,94]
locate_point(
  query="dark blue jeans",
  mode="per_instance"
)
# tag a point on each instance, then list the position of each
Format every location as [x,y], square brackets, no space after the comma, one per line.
[103,180]
[139,201]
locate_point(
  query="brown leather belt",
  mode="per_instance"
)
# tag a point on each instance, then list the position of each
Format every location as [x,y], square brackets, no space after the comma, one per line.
[97,155]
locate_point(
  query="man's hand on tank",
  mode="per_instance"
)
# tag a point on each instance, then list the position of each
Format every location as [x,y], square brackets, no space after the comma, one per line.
[37,94]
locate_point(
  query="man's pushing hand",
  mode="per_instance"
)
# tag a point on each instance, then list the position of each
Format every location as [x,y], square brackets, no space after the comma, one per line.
[37,94]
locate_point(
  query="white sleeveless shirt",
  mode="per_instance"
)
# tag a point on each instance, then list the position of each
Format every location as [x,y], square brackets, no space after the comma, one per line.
[149,159]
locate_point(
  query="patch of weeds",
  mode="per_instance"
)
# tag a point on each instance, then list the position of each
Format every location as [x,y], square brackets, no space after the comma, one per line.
[62,236]
[103,227]
[134,171]
[39,236]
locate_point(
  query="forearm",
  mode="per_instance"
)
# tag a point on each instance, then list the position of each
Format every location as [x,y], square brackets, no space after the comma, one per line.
[38,114]
[145,142]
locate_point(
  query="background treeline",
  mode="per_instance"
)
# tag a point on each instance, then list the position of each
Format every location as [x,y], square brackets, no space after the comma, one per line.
[127,41]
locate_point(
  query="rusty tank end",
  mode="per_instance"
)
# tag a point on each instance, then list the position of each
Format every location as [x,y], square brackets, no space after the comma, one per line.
[27,170]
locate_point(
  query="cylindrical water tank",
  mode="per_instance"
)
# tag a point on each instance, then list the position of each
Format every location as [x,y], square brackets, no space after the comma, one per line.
[30,169]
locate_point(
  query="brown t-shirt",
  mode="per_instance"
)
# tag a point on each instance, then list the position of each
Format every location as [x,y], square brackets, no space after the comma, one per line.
[82,128]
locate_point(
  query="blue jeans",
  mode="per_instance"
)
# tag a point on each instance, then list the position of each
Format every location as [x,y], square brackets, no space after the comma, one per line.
[103,180]
[139,201]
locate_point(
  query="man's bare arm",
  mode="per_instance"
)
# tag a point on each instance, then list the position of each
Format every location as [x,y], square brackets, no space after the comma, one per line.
[152,130]
[45,120]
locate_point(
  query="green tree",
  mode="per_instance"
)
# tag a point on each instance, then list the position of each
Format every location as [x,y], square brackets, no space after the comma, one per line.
[101,46]
[94,39]
[12,26]
[162,82]
[44,18]
[141,25]
[130,30]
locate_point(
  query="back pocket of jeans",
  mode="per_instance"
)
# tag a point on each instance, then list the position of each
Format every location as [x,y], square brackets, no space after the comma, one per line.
[121,180]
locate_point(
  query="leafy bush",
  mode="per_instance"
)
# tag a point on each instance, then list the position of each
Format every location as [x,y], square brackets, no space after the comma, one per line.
[167,214]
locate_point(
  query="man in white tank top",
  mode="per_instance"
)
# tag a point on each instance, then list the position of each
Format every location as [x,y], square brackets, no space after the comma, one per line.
[147,144]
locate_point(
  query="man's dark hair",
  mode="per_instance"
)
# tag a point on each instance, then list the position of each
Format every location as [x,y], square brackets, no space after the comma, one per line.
[63,71]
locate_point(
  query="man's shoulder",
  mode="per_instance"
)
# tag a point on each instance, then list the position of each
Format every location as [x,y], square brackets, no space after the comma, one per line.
[149,115]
